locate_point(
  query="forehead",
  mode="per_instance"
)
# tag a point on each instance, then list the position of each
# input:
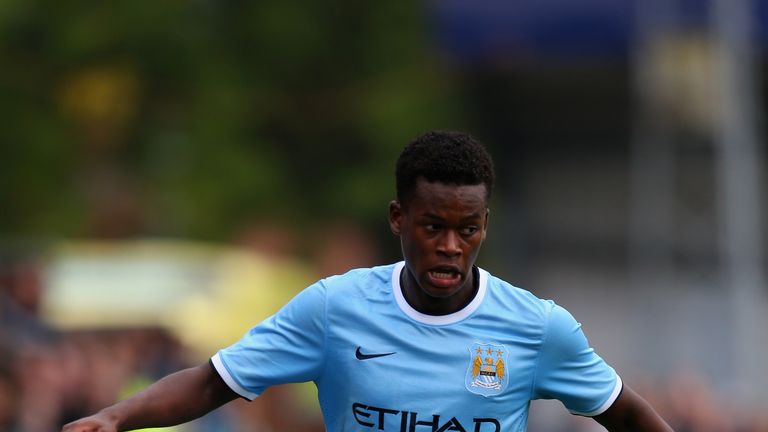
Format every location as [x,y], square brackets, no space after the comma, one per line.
[440,197]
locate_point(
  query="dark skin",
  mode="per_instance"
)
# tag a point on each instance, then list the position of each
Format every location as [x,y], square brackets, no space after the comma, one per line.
[441,230]
[630,412]
[177,398]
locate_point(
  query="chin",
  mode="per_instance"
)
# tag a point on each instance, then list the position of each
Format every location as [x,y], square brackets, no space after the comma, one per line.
[440,293]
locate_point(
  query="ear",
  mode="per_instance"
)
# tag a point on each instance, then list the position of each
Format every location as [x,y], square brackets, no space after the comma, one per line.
[485,222]
[395,217]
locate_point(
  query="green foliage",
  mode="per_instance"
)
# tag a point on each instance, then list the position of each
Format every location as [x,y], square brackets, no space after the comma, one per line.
[207,115]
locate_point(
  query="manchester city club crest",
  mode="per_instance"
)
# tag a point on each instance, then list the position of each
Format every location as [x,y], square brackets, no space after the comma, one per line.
[487,371]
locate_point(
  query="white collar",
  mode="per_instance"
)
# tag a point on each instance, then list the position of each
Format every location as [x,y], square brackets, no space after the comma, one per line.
[437,319]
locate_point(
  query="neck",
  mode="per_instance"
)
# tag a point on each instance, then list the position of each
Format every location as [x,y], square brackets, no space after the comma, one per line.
[431,305]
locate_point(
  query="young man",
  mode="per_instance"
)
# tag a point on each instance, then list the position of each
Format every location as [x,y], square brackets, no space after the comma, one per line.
[432,343]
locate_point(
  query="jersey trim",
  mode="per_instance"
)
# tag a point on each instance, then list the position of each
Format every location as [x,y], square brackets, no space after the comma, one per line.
[221,368]
[607,404]
[437,319]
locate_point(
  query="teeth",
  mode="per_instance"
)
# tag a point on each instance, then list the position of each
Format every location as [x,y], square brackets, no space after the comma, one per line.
[442,275]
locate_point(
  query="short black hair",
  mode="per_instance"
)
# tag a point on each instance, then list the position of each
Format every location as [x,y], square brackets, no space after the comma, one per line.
[448,157]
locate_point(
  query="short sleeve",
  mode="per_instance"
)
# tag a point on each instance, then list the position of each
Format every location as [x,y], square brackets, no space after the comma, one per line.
[286,347]
[569,369]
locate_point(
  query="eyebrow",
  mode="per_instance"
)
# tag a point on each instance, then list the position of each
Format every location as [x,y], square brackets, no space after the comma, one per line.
[469,218]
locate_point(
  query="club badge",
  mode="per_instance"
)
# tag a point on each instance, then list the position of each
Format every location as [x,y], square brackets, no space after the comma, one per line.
[487,371]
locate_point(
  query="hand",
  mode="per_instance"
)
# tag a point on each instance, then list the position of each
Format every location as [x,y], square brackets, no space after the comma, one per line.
[96,423]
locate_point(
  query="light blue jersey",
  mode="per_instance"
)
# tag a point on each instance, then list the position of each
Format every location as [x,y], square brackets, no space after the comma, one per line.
[380,365]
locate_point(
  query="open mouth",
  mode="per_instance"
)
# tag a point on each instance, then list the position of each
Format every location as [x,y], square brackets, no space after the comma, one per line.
[444,277]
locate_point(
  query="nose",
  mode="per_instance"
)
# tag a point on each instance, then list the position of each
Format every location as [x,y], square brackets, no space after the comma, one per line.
[449,244]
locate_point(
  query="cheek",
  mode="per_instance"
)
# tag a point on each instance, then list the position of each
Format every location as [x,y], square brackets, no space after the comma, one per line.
[473,247]
[413,247]
[407,245]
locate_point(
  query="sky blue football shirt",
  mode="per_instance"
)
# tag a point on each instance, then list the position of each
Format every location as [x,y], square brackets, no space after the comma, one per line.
[380,365]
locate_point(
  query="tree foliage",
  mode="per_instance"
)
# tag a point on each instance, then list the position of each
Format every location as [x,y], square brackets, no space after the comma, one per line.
[194,118]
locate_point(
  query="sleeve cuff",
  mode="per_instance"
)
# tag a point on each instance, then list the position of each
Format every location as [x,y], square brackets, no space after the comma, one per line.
[222,370]
[608,402]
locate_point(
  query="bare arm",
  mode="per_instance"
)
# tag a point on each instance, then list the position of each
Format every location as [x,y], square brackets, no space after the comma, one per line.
[631,413]
[177,398]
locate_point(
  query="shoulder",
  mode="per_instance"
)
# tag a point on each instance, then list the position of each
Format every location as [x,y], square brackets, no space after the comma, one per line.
[523,303]
[380,274]
[358,282]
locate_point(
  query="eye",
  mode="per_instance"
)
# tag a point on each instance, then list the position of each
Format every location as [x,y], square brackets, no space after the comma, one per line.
[468,230]
[433,227]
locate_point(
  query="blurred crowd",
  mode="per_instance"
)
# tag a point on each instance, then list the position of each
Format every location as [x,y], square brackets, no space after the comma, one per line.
[686,400]
[49,377]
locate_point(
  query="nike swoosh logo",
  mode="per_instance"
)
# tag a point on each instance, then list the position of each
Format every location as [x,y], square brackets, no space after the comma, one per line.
[361,356]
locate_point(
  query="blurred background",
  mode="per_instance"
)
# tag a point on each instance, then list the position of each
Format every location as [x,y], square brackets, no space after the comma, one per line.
[170,174]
